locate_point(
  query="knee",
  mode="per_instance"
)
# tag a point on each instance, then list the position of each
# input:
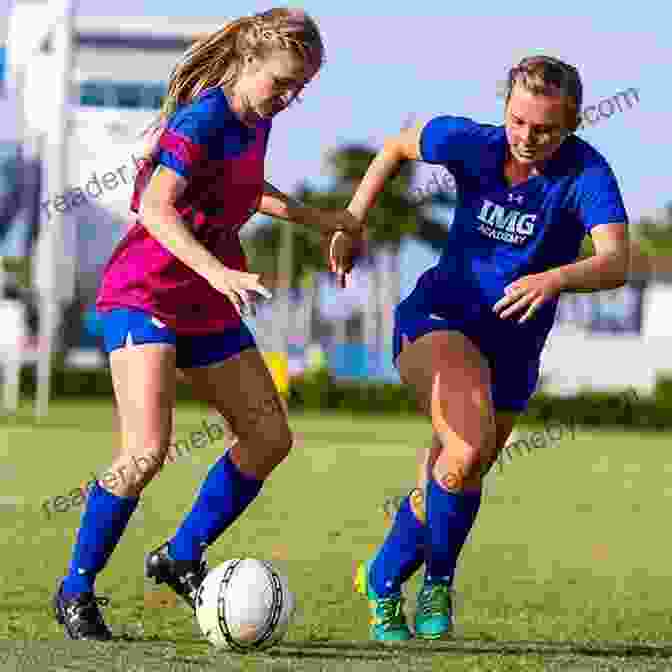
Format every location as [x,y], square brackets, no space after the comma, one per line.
[280,443]
[149,464]
[269,433]
[458,475]
[452,473]
[134,473]
[462,469]
[260,454]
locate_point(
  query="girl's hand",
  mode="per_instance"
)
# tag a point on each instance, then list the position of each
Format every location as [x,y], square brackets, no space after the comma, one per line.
[344,249]
[529,292]
[237,287]
[332,221]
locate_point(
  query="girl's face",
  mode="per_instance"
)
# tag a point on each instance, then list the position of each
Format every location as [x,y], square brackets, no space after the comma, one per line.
[536,125]
[267,86]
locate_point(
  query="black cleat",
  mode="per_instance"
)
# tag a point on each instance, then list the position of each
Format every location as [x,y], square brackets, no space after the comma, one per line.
[183,576]
[80,616]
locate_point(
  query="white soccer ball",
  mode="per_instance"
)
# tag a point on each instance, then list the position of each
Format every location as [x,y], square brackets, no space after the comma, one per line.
[244,605]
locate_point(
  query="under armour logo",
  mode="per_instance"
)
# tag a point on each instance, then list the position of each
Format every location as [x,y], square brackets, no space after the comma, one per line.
[518,198]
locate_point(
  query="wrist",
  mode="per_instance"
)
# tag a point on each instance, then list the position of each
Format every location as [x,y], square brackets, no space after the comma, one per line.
[561,279]
[331,221]
[304,215]
[358,216]
[213,269]
[354,231]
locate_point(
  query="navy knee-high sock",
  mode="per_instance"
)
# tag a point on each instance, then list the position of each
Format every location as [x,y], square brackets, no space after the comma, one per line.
[103,523]
[224,495]
[450,517]
[401,554]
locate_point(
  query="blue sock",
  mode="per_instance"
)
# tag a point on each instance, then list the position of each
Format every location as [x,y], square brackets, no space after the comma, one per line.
[103,522]
[224,495]
[401,554]
[450,517]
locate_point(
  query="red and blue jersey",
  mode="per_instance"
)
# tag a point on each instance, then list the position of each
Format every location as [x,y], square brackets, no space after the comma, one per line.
[500,233]
[223,163]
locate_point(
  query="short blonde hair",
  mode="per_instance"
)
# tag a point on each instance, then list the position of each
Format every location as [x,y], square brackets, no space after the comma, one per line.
[545,75]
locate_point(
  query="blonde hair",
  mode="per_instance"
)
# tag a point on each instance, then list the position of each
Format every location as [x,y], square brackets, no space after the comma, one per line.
[545,75]
[216,60]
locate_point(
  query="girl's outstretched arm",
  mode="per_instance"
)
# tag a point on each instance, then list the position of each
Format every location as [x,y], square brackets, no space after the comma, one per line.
[403,147]
[278,204]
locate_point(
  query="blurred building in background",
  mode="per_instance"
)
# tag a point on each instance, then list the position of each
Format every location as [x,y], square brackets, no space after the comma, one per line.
[121,67]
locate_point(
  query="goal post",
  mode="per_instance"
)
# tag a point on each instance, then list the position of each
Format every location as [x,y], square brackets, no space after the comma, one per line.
[41,40]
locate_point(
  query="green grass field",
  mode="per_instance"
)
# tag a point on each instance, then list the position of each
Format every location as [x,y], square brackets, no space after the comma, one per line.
[568,567]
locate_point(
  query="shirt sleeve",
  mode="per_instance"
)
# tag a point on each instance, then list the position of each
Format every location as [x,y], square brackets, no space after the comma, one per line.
[599,197]
[449,141]
[183,145]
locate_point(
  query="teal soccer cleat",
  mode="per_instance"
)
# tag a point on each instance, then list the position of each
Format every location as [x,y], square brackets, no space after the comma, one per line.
[434,616]
[388,622]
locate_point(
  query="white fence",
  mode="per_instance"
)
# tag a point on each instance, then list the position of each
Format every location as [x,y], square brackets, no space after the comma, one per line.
[575,358]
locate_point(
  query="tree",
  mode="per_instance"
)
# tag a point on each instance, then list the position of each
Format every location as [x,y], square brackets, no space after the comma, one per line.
[650,242]
[655,234]
[399,213]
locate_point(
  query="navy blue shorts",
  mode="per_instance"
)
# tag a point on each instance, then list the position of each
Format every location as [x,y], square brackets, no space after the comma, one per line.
[514,376]
[128,326]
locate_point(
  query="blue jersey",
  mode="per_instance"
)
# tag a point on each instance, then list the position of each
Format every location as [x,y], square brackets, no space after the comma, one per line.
[501,233]
[222,161]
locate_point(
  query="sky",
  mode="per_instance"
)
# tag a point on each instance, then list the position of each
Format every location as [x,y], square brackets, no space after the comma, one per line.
[392,60]
[388,61]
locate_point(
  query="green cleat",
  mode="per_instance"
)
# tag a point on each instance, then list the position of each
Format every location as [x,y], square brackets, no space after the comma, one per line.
[434,616]
[388,622]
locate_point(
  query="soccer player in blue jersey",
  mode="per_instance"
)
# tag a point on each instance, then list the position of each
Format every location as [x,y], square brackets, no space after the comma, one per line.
[468,339]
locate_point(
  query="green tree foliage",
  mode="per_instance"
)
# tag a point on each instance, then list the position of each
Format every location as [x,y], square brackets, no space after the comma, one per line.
[398,213]
[655,234]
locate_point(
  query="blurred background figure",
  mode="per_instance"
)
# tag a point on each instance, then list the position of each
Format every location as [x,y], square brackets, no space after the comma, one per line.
[13,333]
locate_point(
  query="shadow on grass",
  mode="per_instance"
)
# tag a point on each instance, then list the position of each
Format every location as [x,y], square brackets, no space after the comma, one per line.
[334,649]
[195,655]
[50,423]
[461,645]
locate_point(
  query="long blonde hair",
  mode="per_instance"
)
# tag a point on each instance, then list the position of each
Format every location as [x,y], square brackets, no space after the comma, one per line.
[216,60]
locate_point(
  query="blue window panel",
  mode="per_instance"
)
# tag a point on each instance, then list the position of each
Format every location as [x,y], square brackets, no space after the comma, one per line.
[92,94]
[129,96]
[154,95]
[3,68]
[125,95]
[9,167]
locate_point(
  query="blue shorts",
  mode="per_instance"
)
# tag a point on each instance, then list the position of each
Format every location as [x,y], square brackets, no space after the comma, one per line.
[128,326]
[514,376]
